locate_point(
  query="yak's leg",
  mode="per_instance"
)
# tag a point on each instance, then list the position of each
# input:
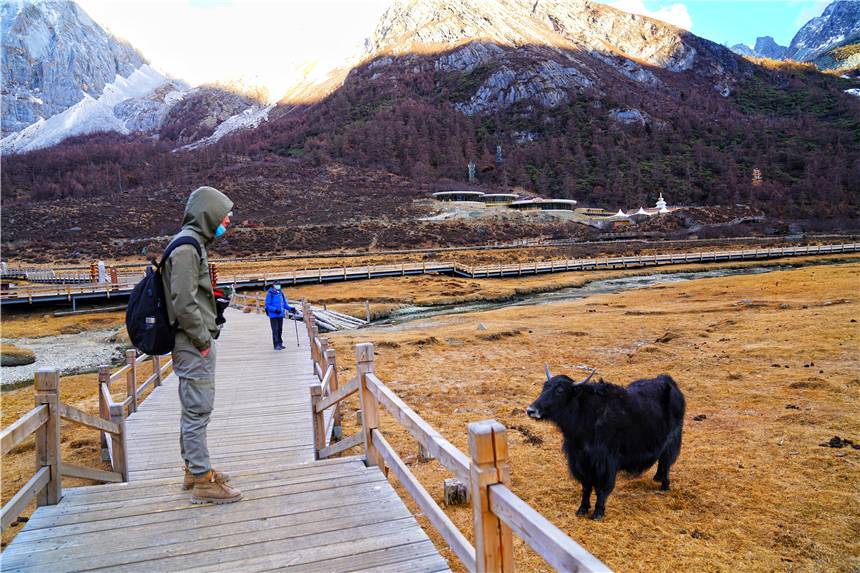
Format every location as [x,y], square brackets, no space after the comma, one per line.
[667,458]
[663,472]
[662,469]
[585,505]
[600,506]
[603,491]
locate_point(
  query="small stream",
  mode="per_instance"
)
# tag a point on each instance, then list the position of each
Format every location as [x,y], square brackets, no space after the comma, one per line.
[602,286]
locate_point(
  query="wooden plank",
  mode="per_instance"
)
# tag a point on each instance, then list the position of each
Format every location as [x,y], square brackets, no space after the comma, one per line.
[28,492]
[343,445]
[548,541]
[446,528]
[80,417]
[344,391]
[72,470]
[153,541]
[23,427]
[443,450]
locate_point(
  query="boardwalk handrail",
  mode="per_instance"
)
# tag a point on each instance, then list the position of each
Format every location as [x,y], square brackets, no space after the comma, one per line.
[497,512]
[44,421]
[123,285]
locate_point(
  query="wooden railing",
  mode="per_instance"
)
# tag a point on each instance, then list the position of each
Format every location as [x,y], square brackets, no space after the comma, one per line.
[554,266]
[44,421]
[125,284]
[497,512]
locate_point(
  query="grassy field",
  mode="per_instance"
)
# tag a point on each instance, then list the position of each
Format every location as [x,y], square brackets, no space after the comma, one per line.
[769,364]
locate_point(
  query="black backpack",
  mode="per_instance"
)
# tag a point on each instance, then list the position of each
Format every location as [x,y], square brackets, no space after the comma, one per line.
[146,317]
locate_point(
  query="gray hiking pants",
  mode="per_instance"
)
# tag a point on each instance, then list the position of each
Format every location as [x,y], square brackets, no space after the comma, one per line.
[197,395]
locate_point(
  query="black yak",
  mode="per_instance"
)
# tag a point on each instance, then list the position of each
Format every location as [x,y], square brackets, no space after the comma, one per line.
[608,428]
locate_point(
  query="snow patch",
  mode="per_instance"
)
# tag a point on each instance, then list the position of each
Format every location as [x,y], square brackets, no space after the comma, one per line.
[89,115]
[853,91]
[247,119]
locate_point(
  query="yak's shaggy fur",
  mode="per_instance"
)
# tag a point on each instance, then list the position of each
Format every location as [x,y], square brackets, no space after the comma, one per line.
[609,428]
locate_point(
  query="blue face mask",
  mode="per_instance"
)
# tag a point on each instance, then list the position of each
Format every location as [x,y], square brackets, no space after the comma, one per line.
[220,230]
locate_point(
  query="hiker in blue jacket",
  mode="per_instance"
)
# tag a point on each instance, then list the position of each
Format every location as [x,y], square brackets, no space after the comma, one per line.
[277,307]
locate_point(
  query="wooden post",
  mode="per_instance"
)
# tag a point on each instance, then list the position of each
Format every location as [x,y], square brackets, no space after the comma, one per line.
[104,408]
[48,436]
[118,443]
[131,379]
[213,274]
[488,446]
[331,359]
[114,278]
[315,333]
[156,365]
[367,310]
[369,407]
[318,420]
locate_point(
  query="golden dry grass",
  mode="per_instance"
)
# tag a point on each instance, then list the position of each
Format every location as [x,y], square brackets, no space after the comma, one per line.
[36,325]
[770,361]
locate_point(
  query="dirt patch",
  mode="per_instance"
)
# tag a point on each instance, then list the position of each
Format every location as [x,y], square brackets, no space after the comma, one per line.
[500,335]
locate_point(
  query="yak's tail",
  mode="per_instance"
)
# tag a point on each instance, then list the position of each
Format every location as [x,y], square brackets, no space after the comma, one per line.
[675,407]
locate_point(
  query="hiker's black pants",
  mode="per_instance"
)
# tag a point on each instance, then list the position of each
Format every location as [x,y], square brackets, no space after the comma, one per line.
[277,331]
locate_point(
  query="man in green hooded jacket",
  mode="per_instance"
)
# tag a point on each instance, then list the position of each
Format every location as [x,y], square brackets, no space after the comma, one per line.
[191,307]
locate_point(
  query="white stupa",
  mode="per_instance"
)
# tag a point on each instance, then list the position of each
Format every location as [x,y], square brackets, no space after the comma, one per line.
[661,205]
[641,211]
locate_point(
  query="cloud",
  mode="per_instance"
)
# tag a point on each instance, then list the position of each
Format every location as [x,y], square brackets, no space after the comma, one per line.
[675,14]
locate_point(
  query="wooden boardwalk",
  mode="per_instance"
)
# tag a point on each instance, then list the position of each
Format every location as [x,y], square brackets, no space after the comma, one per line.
[297,514]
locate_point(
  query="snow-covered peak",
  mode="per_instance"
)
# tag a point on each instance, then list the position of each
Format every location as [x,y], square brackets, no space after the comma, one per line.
[92,115]
[838,24]
[75,57]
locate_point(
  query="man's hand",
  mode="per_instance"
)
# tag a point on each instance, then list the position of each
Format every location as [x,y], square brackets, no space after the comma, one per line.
[203,353]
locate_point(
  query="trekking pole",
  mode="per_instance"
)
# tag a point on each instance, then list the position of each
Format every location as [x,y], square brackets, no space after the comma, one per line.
[296,324]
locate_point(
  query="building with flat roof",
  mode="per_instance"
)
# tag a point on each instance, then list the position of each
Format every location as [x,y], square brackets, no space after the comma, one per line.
[499,199]
[471,196]
[544,205]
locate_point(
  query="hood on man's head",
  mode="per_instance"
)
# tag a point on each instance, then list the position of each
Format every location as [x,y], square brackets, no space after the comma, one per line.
[204,211]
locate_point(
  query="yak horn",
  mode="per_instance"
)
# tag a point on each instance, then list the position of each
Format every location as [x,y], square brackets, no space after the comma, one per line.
[589,376]
[546,369]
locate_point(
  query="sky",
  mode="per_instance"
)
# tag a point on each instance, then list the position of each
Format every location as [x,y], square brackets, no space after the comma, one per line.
[731,22]
[270,43]
[275,43]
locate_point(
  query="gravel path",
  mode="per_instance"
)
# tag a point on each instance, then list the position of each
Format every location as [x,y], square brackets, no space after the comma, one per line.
[68,353]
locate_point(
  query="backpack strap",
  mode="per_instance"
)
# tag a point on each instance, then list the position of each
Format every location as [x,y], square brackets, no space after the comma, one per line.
[178,243]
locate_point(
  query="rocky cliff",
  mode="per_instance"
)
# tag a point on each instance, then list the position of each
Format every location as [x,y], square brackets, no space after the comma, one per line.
[541,51]
[838,25]
[53,57]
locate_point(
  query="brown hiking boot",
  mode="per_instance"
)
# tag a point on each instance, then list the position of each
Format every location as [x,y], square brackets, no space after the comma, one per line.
[188,482]
[209,488]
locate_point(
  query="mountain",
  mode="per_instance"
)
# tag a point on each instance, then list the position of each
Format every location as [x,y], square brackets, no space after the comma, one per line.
[830,41]
[65,76]
[838,25]
[55,56]
[568,99]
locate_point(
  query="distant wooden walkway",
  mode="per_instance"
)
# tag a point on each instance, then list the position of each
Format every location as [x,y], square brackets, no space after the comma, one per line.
[121,287]
[297,514]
